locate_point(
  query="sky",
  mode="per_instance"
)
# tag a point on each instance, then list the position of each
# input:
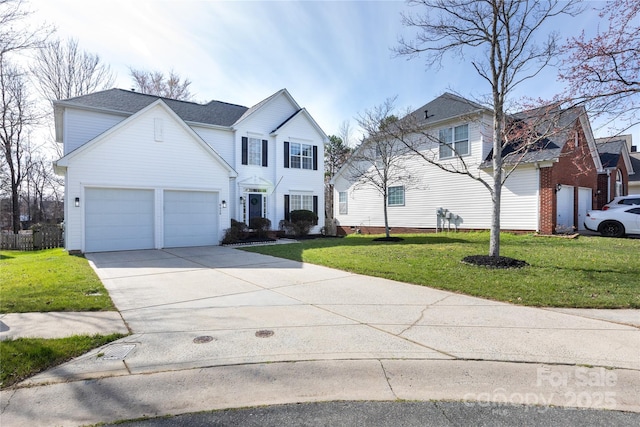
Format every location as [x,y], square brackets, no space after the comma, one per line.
[334,57]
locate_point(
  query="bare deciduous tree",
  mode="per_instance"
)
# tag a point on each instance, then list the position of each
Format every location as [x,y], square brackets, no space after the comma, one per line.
[155,83]
[14,36]
[604,71]
[380,162]
[504,41]
[62,70]
[18,115]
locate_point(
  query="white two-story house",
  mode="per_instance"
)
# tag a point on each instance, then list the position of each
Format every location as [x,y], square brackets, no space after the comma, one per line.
[550,189]
[145,172]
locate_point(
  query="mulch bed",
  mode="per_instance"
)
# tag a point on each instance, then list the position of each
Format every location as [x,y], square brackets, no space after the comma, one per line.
[494,262]
[388,239]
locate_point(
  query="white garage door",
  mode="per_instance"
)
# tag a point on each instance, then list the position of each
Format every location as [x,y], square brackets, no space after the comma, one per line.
[190,218]
[118,219]
[564,198]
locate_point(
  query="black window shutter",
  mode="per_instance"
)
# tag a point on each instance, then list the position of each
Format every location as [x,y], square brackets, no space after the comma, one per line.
[287,215]
[245,150]
[315,157]
[315,205]
[265,144]
[286,155]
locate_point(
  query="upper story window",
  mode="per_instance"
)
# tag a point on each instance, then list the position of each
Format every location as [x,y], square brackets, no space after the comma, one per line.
[454,141]
[254,151]
[300,156]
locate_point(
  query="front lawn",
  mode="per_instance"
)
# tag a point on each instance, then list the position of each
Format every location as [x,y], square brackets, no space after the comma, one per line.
[588,272]
[43,281]
[49,280]
[24,357]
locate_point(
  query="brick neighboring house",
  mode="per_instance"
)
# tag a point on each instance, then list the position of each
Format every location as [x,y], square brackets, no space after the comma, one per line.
[621,162]
[551,189]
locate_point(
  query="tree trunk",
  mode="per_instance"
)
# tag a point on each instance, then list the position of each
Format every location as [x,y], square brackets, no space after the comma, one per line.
[496,194]
[386,218]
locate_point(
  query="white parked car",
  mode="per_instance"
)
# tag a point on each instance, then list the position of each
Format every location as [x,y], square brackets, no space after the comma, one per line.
[614,222]
[622,201]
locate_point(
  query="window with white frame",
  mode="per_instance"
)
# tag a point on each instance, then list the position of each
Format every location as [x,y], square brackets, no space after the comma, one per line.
[395,196]
[255,151]
[343,208]
[454,141]
[301,156]
[301,201]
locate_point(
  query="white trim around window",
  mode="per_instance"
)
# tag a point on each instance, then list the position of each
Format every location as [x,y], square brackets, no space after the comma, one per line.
[395,196]
[454,142]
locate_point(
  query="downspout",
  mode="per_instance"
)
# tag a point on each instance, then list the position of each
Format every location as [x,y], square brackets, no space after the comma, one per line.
[608,185]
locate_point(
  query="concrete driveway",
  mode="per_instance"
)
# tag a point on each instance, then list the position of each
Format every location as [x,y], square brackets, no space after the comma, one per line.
[266,330]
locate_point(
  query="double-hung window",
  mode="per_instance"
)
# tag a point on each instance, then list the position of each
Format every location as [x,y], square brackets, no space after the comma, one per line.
[343,208]
[301,201]
[454,141]
[395,196]
[255,151]
[301,156]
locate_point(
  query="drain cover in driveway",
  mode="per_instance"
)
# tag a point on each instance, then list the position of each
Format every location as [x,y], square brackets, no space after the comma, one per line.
[117,351]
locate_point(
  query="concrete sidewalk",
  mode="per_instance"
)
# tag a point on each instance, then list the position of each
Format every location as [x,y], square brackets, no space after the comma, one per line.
[60,324]
[219,328]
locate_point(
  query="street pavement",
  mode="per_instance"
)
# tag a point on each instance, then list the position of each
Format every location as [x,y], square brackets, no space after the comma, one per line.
[217,328]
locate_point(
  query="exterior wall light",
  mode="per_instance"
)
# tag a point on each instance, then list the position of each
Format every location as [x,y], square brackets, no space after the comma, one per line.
[558,187]
[77,202]
[224,204]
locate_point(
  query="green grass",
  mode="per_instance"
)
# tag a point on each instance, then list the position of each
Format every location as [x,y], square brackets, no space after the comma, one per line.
[23,357]
[49,280]
[43,281]
[588,272]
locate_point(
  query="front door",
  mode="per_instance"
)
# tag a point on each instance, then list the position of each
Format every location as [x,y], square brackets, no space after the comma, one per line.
[255,206]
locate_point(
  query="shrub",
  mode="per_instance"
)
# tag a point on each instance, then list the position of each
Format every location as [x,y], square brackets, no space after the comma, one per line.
[261,226]
[235,233]
[301,223]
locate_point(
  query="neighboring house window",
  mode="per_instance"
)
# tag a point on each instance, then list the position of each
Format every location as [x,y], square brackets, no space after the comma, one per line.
[454,141]
[254,151]
[395,196]
[295,202]
[300,156]
[342,203]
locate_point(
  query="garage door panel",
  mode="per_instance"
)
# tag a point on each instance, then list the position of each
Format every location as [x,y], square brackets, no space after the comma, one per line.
[190,218]
[118,219]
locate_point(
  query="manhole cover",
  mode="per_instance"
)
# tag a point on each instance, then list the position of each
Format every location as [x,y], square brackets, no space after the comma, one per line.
[117,351]
[264,333]
[202,339]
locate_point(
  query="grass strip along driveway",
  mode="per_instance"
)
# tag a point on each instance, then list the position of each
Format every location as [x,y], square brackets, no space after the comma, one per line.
[44,281]
[587,272]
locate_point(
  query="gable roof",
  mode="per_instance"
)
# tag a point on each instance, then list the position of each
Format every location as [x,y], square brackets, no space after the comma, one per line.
[610,153]
[266,101]
[554,125]
[128,102]
[446,106]
[64,161]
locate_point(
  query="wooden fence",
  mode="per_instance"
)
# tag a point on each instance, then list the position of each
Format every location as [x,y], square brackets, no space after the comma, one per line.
[45,237]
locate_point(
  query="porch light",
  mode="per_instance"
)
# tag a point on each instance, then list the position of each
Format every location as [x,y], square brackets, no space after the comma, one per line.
[241,199]
[558,187]
[77,202]
[224,204]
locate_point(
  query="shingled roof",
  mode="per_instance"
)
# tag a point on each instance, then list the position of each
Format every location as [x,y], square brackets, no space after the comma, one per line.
[129,102]
[610,152]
